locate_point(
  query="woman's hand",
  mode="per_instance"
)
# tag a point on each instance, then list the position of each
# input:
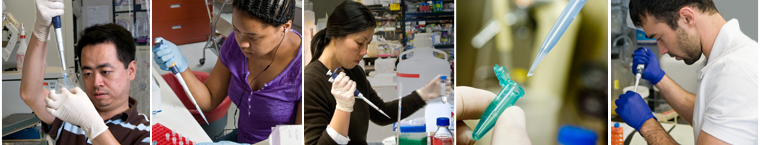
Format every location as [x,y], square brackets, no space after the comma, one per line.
[433,89]
[343,90]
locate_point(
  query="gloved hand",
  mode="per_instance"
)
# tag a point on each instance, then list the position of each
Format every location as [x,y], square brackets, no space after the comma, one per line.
[432,89]
[46,10]
[343,91]
[510,128]
[166,53]
[76,108]
[652,70]
[633,110]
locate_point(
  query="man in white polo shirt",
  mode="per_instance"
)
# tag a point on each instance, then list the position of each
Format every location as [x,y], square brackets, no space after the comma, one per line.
[724,110]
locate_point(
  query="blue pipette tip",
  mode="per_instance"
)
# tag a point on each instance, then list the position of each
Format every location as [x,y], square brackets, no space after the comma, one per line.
[506,98]
[565,18]
[540,56]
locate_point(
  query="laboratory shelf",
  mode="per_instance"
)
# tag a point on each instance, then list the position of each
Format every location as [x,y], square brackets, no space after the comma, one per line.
[379,8]
[411,15]
[444,46]
[437,17]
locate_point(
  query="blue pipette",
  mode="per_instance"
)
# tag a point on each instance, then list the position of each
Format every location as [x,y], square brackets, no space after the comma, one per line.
[182,83]
[510,92]
[564,20]
[359,95]
[59,40]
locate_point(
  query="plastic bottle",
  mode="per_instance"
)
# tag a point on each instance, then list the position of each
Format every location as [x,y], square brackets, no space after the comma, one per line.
[21,52]
[443,136]
[617,134]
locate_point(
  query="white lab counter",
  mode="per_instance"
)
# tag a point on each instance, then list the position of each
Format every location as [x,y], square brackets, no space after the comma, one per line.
[682,133]
[175,116]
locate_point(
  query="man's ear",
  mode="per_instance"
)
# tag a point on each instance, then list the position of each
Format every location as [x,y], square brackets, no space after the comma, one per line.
[687,16]
[132,70]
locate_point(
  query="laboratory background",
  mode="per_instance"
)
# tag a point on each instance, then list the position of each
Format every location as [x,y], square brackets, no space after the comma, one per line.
[198,28]
[412,37]
[626,38]
[19,123]
[568,88]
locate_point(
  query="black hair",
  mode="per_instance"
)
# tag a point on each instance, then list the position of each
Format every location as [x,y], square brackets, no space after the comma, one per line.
[274,12]
[348,18]
[116,34]
[666,10]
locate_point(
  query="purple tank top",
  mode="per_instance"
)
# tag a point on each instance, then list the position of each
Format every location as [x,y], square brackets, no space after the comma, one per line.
[274,104]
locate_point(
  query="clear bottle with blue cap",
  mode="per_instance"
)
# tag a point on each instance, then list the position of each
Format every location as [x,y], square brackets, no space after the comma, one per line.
[443,135]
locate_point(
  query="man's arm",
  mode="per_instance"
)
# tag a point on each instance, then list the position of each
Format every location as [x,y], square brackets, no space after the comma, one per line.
[677,97]
[653,132]
[31,90]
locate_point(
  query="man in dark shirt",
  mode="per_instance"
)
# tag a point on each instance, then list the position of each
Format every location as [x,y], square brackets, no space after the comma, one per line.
[104,113]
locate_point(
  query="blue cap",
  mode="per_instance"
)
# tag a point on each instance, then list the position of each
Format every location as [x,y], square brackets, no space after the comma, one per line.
[442,121]
[443,77]
[573,135]
[617,125]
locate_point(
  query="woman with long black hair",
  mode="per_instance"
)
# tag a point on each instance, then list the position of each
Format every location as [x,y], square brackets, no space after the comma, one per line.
[331,114]
[259,68]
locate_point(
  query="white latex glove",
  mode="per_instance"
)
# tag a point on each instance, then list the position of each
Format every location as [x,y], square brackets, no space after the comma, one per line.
[343,91]
[76,108]
[46,10]
[510,128]
[432,89]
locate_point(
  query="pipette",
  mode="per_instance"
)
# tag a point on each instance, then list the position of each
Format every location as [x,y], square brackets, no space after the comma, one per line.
[639,70]
[359,95]
[564,20]
[510,92]
[59,40]
[444,97]
[181,80]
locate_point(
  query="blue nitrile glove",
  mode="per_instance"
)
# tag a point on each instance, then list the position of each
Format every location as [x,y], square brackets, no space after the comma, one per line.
[221,143]
[165,54]
[633,110]
[652,70]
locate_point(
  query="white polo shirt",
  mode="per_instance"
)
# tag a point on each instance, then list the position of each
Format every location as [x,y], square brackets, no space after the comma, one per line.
[726,103]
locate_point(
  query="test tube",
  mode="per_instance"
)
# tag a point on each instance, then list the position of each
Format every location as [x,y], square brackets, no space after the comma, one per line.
[507,97]
[444,97]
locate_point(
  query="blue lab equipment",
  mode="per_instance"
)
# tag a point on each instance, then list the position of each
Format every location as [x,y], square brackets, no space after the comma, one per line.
[59,40]
[564,20]
[181,80]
